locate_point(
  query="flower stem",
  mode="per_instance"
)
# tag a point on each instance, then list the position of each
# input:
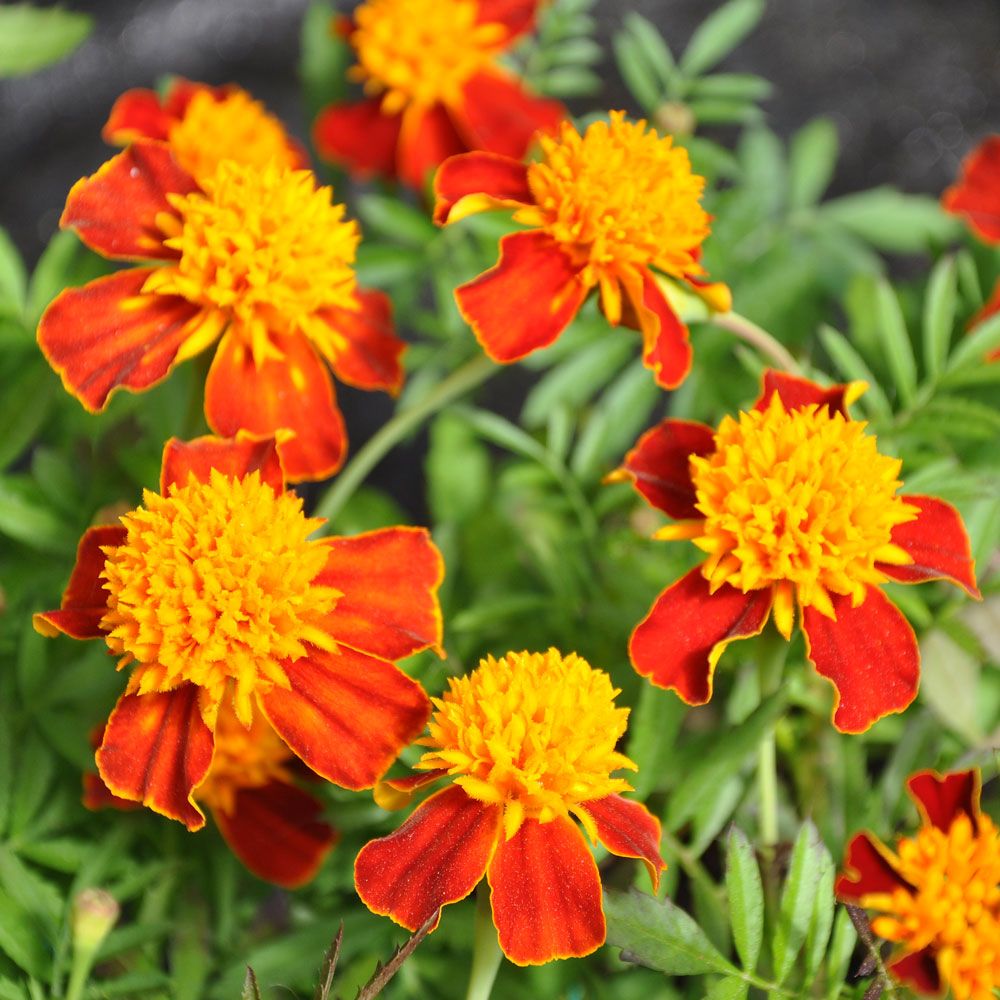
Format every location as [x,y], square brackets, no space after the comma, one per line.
[758,338]
[467,377]
[486,954]
[773,653]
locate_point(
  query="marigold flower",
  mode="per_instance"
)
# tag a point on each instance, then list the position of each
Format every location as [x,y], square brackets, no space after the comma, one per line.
[257,256]
[938,894]
[529,741]
[976,196]
[792,503]
[616,209]
[434,87]
[214,597]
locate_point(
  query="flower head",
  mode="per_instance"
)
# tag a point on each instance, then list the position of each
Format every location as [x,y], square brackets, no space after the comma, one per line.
[529,741]
[793,505]
[617,209]
[937,896]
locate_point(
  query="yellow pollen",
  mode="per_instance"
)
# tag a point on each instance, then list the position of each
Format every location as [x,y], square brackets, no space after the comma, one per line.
[954,905]
[619,198]
[421,52]
[798,499]
[235,128]
[532,732]
[214,583]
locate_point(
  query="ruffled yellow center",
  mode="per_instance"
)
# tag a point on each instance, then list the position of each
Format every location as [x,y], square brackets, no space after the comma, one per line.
[801,500]
[214,583]
[264,249]
[235,128]
[618,198]
[954,906]
[533,732]
[421,52]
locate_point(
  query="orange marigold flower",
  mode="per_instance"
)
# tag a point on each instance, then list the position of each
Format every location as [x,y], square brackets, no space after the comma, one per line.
[215,598]
[938,894]
[258,256]
[529,741]
[976,196]
[615,209]
[792,503]
[434,87]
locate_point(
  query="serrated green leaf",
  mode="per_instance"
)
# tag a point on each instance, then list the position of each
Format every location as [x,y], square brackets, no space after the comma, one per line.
[28,889]
[838,958]
[852,367]
[719,34]
[797,897]
[970,351]
[812,158]
[13,277]
[746,897]
[940,301]
[822,918]
[895,341]
[32,38]
[728,989]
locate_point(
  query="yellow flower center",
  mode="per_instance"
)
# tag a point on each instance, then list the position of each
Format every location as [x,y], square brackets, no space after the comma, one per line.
[800,499]
[533,732]
[214,583]
[235,128]
[619,197]
[421,52]
[264,249]
[954,906]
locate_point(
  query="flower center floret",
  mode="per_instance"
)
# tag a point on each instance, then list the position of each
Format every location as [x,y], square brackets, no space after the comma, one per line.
[954,905]
[620,197]
[533,732]
[214,583]
[421,52]
[800,499]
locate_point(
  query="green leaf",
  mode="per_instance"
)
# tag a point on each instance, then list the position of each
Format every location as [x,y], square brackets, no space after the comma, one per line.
[746,897]
[708,111]
[652,731]
[940,301]
[729,989]
[395,219]
[34,37]
[568,81]
[65,262]
[838,958]
[730,87]
[822,918]
[24,520]
[640,79]
[20,938]
[324,60]
[660,935]
[895,341]
[458,470]
[971,351]
[949,684]
[809,859]
[9,990]
[852,366]
[13,277]
[719,34]
[24,405]
[812,159]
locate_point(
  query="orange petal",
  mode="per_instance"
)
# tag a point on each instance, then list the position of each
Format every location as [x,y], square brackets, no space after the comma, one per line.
[517,16]
[796,392]
[276,830]
[372,357]
[157,749]
[347,715]
[234,457]
[137,114]
[546,894]
[942,797]
[869,653]
[97,795]
[714,294]
[397,793]
[293,393]
[630,830]
[679,642]
[475,182]
[938,544]
[867,869]
[435,858]
[114,210]
[666,346]
[359,137]
[977,193]
[427,137]
[918,970]
[108,335]
[524,301]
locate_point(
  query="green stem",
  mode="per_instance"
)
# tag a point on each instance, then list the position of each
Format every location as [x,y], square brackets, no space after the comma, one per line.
[78,977]
[773,653]
[758,338]
[486,953]
[471,374]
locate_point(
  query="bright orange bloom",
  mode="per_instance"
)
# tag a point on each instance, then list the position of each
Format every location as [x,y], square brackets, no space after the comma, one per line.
[792,504]
[938,894]
[529,741]
[257,256]
[214,597]
[616,209]
[976,196]
[429,68]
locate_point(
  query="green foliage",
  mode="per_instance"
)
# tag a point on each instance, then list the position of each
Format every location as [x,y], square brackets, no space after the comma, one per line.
[32,38]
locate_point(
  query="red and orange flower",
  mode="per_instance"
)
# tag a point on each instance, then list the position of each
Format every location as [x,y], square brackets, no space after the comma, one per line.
[529,741]
[792,503]
[429,68]
[938,894]
[615,209]
[258,256]
[214,596]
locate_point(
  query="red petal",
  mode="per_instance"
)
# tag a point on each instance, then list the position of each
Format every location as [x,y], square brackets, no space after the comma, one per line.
[426,139]
[939,545]
[918,970]
[796,392]
[629,830]
[277,832]
[867,870]
[294,393]
[372,356]
[977,193]
[524,301]
[234,457]
[97,795]
[666,347]
[347,715]
[488,180]
[660,465]
[940,798]
[546,894]
[681,639]
[182,92]
[108,335]
[156,749]
[389,581]
[85,601]
[869,653]
[137,114]
[435,858]
[518,16]
[359,137]
[114,210]
[990,308]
